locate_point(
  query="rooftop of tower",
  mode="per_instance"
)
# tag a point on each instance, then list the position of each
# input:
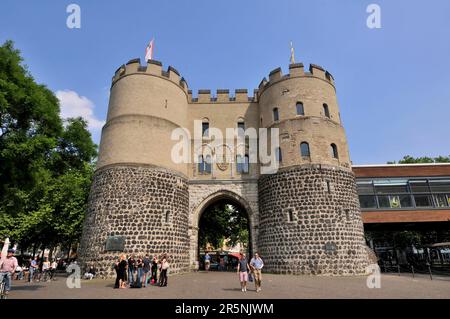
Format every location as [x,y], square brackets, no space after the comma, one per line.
[155,68]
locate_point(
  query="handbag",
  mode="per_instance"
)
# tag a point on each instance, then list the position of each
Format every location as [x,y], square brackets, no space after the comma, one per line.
[250,277]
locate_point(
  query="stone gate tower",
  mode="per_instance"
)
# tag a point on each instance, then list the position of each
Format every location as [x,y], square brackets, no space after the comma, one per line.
[304,219]
[309,210]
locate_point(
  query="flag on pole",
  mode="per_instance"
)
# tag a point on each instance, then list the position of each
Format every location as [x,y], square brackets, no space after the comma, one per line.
[292,54]
[149,51]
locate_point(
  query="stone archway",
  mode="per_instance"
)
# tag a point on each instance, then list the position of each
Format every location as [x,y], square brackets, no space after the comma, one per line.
[204,203]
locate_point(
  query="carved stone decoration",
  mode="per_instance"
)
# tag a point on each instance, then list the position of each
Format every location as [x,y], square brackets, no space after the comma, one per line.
[223,166]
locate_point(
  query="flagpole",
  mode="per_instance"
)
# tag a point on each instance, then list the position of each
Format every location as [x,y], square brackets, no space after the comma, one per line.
[292,59]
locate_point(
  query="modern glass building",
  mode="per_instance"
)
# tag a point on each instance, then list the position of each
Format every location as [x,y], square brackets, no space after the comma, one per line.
[414,198]
[416,192]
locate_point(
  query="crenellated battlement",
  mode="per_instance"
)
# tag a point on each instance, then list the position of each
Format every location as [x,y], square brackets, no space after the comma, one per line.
[153,67]
[222,96]
[295,70]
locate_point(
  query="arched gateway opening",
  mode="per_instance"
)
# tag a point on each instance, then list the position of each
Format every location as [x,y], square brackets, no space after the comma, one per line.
[223,228]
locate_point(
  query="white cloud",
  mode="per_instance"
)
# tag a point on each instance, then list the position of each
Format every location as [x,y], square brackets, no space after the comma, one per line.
[74,105]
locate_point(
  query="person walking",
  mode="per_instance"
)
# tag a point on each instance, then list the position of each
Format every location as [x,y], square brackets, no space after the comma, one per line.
[123,264]
[115,266]
[164,268]
[154,278]
[8,266]
[131,270]
[33,267]
[146,269]
[256,264]
[207,261]
[242,271]
[140,272]
[53,267]
[221,263]
[46,269]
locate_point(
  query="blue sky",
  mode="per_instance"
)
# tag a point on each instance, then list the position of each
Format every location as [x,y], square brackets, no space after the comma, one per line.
[393,83]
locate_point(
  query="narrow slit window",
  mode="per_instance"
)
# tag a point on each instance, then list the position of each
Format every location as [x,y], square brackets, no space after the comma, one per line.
[167,216]
[290,215]
[334,151]
[300,108]
[347,215]
[276,115]
[326,110]
[279,156]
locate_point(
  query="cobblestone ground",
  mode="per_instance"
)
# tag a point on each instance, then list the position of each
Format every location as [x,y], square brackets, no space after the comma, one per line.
[216,285]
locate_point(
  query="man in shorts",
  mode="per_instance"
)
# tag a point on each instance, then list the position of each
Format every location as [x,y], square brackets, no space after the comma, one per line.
[256,265]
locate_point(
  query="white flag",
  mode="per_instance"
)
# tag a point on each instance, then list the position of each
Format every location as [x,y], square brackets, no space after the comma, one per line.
[149,51]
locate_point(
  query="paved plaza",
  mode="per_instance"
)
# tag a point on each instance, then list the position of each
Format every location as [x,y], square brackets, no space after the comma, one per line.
[225,285]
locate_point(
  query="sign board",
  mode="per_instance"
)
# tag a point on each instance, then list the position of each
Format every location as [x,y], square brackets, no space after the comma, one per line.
[115,243]
[330,247]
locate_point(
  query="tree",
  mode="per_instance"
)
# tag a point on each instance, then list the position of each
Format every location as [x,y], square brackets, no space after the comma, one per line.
[46,165]
[221,222]
[29,129]
[412,160]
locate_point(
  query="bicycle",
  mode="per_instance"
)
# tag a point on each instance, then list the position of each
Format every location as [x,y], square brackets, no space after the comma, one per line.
[46,276]
[3,293]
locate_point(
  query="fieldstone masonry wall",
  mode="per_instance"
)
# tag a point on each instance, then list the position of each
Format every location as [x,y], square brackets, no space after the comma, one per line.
[310,222]
[132,201]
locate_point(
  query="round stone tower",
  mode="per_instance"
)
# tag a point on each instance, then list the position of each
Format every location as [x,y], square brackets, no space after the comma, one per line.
[310,219]
[139,198]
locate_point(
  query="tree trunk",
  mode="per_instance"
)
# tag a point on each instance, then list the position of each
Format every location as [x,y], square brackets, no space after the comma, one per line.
[34,250]
[43,251]
[50,255]
[68,250]
[22,246]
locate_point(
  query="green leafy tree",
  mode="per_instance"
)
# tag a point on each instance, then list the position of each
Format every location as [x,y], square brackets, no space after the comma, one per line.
[46,165]
[29,130]
[221,222]
[418,160]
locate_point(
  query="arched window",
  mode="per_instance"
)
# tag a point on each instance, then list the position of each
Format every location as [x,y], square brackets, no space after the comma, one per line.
[304,149]
[276,116]
[326,111]
[300,108]
[201,164]
[239,163]
[208,164]
[205,128]
[261,121]
[241,128]
[334,151]
[246,164]
[278,154]
[242,164]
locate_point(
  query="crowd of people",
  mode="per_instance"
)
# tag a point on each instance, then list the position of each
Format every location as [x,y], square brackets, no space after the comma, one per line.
[141,271]
[131,272]
[37,269]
